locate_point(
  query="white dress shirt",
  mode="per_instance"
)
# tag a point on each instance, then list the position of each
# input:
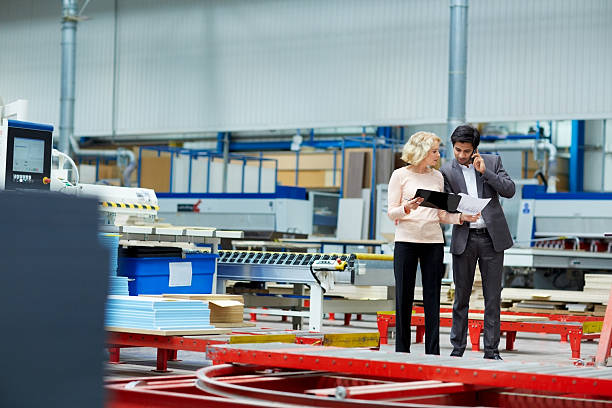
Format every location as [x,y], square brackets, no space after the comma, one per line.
[469,174]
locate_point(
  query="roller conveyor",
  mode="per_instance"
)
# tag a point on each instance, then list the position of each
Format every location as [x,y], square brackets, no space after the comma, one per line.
[297,268]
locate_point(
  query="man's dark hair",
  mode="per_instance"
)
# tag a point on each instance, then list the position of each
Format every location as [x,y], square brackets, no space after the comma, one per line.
[466,133]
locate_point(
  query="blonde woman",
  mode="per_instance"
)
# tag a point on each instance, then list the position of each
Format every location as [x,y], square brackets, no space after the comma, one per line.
[418,238]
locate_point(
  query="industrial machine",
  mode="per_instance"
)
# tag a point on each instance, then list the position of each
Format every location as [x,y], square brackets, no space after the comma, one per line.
[320,272]
[579,217]
[281,211]
[29,162]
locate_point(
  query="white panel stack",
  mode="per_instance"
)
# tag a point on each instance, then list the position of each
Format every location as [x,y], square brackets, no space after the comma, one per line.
[256,180]
[350,218]
[597,284]
[156,313]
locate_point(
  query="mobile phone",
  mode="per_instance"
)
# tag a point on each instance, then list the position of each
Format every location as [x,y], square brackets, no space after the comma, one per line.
[472,157]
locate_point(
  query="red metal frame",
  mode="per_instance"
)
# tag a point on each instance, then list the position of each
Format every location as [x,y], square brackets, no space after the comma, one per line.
[550,316]
[475,327]
[307,358]
[257,386]
[168,346]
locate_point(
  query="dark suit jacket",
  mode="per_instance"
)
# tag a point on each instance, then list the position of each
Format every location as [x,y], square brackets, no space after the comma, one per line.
[493,183]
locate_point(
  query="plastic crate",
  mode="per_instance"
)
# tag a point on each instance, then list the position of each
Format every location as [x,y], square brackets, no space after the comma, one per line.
[151,276]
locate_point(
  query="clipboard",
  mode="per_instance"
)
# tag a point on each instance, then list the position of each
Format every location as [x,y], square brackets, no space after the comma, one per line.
[439,200]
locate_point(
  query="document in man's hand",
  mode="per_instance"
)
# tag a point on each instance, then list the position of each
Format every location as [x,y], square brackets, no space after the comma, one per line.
[437,199]
[472,205]
[452,203]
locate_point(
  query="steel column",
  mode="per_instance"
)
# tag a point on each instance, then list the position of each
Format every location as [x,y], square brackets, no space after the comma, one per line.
[69,26]
[457,65]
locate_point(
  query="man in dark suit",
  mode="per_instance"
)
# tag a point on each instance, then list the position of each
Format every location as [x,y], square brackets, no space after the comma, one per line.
[483,241]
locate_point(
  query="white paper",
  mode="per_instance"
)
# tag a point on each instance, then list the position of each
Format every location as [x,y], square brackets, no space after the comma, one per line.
[180,274]
[471,205]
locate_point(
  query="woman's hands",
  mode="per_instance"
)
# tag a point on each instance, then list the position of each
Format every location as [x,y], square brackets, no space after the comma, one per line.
[469,218]
[413,204]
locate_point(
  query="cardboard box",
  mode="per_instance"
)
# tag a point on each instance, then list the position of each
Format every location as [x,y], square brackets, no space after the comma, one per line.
[223,308]
[307,161]
[155,171]
[226,311]
[307,178]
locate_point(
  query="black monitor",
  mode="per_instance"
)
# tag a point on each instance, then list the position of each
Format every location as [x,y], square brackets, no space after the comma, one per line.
[28,156]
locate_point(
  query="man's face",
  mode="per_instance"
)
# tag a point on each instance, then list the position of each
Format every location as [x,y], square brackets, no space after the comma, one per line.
[463,152]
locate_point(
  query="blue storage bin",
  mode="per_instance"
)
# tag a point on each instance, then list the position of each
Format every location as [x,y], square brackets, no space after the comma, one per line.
[151,276]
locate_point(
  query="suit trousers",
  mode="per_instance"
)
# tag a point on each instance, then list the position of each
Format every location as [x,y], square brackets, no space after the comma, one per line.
[405,258]
[479,249]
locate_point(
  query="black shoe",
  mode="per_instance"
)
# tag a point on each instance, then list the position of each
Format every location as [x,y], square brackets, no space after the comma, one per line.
[456,353]
[493,357]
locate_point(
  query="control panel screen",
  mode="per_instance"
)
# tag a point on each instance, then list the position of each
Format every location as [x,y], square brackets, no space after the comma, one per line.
[28,155]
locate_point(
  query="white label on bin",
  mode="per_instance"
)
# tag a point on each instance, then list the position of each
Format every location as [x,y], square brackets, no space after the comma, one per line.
[180,274]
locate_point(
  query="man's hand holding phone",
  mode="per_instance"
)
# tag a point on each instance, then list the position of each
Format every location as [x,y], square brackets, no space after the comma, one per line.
[479,163]
[413,204]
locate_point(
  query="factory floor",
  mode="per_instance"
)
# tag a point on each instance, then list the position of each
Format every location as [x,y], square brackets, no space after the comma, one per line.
[544,348]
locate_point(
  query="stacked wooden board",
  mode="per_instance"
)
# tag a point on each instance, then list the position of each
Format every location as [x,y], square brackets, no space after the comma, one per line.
[139,312]
[597,285]
[591,300]
[223,308]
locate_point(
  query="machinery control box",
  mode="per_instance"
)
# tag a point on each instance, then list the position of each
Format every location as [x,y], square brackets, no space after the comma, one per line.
[25,155]
[329,265]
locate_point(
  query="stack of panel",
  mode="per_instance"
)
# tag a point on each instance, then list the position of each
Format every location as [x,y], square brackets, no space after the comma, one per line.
[111,243]
[139,312]
[118,285]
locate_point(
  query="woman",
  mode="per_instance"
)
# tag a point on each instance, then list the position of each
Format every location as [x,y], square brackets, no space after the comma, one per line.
[418,238]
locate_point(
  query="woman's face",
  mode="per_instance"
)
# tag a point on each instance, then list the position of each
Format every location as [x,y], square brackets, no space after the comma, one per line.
[433,156]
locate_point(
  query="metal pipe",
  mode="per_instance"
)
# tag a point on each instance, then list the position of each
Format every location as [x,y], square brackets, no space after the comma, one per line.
[115,93]
[117,154]
[69,26]
[67,100]
[457,65]
[552,165]
[226,149]
[370,234]
[61,163]
[530,145]
[604,141]
[151,138]
[212,135]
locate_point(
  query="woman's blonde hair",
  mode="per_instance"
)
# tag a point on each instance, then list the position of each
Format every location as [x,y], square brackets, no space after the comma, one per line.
[418,146]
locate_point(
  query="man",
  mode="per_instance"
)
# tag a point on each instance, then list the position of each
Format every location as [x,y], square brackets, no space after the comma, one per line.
[483,241]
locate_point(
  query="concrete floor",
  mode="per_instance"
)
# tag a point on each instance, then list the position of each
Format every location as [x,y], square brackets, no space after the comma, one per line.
[544,348]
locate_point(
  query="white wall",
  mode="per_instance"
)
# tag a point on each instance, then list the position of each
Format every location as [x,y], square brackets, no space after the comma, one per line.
[189,65]
[544,59]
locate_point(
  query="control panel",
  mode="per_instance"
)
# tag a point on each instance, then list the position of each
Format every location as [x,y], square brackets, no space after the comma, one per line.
[329,265]
[25,155]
